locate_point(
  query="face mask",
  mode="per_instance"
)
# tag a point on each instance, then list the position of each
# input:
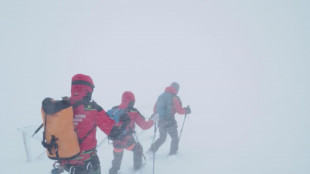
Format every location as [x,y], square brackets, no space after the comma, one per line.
[130,105]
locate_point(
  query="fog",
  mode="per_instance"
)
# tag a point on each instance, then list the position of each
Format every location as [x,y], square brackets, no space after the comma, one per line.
[242,66]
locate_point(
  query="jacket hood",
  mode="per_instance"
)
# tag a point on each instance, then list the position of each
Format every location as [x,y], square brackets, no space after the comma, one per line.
[128,99]
[171,89]
[81,86]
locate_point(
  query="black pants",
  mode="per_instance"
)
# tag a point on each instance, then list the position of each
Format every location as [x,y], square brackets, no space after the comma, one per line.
[167,127]
[118,156]
[91,166]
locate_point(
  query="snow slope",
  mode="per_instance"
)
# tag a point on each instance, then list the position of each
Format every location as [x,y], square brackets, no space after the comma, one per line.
[243,67]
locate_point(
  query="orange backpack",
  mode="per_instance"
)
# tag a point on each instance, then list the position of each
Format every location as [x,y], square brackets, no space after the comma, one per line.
[59,137]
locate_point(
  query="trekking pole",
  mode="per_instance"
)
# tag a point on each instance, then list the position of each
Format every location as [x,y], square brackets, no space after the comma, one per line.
[182,127]
[153,142]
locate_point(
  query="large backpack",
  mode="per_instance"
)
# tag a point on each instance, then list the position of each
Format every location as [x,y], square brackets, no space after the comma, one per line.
[59,137]
[124,123]
[164,105]
[115,113]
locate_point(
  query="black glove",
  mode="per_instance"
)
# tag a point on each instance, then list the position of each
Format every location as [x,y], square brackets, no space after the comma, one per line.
[188,110]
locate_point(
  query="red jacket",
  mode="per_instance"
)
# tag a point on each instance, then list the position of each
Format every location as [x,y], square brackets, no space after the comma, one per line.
[85,119]
[134,114]
[137,118]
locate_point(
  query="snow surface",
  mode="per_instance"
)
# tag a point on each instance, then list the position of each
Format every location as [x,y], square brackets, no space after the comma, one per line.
[243,67]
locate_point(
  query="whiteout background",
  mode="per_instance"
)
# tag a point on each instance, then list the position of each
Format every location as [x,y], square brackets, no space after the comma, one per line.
[243,67]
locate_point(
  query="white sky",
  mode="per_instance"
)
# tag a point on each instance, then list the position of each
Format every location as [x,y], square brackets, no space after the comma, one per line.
[243,66]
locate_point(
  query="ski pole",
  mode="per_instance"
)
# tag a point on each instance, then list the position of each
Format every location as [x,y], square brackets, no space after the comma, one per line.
[154,148]
[182,127]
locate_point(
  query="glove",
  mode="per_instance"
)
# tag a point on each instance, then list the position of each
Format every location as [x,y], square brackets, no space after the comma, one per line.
[188,110]
[155,117]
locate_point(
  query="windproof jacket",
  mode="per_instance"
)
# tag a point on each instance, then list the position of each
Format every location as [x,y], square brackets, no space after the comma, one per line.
[86,120]
[135,117]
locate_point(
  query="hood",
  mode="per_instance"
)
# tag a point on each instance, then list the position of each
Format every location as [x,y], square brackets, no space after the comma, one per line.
[128,99]
[171,89]
[81,86]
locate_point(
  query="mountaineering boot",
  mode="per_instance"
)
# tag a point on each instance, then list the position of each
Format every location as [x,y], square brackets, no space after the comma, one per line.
[172,153]
[56,171]
[137,156]
[113,171]
[116,163]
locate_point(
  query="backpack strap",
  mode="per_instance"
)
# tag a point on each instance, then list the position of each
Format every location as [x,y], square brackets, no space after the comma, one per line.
[82,139]
[77,104]
[44,131]
[96,106]
[136,110]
